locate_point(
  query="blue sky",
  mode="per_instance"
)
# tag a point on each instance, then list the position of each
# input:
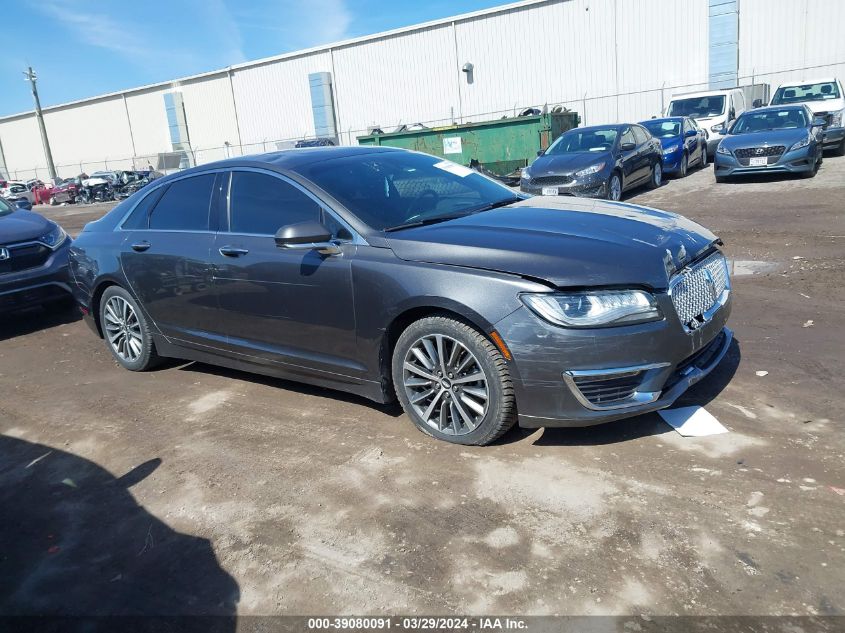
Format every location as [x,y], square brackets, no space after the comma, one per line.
[84,48]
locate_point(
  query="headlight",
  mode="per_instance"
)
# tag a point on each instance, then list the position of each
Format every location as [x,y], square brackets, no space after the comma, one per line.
[836,118]
[671,149]
[718,129]
[802,143]
[592,169]
[594,309]
[721,149]
[54,238]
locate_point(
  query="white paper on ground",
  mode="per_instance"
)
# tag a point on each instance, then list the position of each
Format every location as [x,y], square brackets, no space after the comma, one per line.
[692,421]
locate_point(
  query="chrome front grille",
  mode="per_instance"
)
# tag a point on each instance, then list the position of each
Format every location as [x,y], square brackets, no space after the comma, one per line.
[699,290]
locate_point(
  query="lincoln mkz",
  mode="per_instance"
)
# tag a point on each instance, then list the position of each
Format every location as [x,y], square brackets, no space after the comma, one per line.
[393,274]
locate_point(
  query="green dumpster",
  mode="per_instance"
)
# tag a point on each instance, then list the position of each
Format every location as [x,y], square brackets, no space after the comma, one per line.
[500,147]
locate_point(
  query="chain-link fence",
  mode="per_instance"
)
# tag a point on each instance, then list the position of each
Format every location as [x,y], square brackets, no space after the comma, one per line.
[592,109]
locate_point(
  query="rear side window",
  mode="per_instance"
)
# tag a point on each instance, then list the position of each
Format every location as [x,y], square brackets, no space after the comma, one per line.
[139,217]
[627,137]
[263,204]
[184,206]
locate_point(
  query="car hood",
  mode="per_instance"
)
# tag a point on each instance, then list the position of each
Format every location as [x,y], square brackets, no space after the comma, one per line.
[567,242]
[825,105]
[21,226]
[765,137]
[552,165]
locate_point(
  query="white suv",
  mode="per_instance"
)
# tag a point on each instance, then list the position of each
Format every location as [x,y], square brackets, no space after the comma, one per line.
[826,99]
[713,110]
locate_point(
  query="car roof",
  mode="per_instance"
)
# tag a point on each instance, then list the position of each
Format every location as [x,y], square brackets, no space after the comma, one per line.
[702,93]
[664,118]
[293,158]
[807,82]
[601,127]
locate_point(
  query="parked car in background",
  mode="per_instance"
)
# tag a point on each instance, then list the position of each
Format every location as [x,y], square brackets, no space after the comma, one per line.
[19,191]
[33,259]
[4,191]
[684,143]
[785,139]
[314,142]
[713,110]
[64,191]
[395,274]
[826,98]
[601,161]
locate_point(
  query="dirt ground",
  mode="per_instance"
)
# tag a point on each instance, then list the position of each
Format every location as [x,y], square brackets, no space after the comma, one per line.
[194,489]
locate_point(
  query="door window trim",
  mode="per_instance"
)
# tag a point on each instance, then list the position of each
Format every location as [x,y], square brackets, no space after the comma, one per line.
[119,227]
[357,238]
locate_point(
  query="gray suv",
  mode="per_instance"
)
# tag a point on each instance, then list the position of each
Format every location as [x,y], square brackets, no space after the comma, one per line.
[394,274]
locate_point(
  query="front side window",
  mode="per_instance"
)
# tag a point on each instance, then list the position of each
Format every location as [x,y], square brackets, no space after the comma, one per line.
[806,92]
[584,140]
[640,134]
[184,206]
[756,121]
[698,107]
[262,204]
[392,190]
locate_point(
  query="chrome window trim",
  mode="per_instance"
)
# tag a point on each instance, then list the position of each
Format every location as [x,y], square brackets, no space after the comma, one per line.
[636,399]
[357,238]
[153,188]
[720,301]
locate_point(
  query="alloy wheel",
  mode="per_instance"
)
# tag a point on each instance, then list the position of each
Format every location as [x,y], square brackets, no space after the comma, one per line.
[445,384]
[123,329]
[615,188]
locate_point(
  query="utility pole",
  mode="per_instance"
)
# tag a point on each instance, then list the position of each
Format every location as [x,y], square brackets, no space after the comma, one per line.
[30,75]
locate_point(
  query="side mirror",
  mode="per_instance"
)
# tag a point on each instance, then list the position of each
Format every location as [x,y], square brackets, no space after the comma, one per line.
[731,115]
[307,236]
[690,133]
[541,152]
[819,122]
[757,103]
[627,147]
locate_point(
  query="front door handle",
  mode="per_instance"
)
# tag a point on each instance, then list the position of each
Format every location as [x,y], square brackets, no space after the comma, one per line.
[232,251]
[140,247]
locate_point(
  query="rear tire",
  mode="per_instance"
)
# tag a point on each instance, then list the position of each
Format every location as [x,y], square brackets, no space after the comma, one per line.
[126,331]
[434,362]
[656,176]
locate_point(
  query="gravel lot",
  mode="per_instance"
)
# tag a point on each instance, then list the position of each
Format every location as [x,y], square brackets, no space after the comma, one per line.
[194,489]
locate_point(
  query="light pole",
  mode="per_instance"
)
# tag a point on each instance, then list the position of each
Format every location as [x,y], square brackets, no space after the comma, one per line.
[30,75]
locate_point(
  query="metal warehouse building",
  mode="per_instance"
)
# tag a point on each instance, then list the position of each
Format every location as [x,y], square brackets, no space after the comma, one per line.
[609,60]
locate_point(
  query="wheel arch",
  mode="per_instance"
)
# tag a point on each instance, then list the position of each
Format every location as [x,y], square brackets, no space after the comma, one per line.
[96,295]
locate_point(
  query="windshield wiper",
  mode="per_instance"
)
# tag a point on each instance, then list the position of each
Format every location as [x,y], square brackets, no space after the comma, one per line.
[494,205]
[424,222]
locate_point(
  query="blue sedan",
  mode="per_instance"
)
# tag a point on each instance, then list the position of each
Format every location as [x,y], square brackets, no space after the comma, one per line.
[684,143]
[777,139]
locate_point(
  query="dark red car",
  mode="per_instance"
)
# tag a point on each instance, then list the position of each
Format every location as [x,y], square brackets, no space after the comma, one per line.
[64,191]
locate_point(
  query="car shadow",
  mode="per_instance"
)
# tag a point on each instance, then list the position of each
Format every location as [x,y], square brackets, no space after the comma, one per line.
[77,544]
[750,179]
[22,322]
[639,426]
[392,409]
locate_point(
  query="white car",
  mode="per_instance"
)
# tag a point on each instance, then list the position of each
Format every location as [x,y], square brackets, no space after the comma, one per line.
[18,190]
[4,191]
[826,99]
[713,110]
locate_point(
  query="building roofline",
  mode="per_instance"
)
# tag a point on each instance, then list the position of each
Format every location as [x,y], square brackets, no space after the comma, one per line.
[463,17]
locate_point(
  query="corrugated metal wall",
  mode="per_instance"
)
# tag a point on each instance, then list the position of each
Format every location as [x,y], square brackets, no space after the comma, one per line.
[609,60]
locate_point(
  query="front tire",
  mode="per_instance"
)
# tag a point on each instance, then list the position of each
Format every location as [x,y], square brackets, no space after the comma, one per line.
[684,166]
[126,331]
[614,187]
[656,176]
[704,156]
[453,382]
[840,149]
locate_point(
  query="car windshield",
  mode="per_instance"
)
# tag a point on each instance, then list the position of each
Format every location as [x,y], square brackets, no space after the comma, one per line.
[583,140]
[663,129]
[756,121]
[5,208]
[393,190]
[698,107]
[806,92]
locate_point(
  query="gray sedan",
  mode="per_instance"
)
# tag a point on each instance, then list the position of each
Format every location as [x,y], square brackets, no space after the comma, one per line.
[394,274]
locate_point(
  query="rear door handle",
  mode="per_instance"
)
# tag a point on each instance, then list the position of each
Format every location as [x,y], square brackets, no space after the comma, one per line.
[232,251]
[140,247]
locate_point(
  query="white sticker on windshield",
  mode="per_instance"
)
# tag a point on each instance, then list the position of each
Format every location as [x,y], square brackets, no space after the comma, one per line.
[454,168]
